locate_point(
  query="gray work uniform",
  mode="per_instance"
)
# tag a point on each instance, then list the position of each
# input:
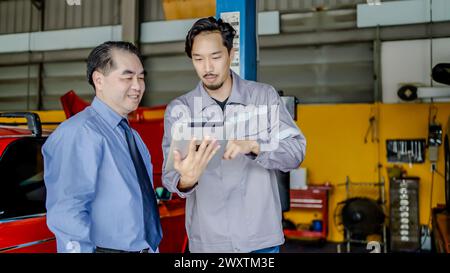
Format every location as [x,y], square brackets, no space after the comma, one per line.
[235,207]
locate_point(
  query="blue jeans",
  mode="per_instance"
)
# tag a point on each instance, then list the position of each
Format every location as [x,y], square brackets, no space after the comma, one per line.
[273,249]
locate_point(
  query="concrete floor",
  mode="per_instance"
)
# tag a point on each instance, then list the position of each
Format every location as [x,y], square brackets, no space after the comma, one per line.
[297,246]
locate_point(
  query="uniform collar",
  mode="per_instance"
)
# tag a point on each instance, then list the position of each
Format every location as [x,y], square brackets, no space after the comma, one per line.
[239,95]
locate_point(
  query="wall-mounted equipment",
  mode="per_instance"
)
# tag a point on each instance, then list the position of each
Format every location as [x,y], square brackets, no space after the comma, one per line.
[407,92]
[440,73]
[404,214]
[406,150]
[434,141]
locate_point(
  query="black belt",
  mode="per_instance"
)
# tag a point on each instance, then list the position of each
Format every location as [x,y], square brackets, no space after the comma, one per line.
[110,250]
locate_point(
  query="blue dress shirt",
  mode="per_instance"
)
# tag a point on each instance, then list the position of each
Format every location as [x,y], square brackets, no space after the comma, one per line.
[93,196]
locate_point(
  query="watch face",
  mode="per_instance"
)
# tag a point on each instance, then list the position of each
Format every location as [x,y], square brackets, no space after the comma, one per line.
[163,194]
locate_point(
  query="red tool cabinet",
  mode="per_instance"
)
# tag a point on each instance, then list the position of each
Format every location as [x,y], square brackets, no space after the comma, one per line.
[313,198]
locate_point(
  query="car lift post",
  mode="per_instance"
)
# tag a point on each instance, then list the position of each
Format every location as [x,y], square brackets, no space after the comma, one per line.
[241,14]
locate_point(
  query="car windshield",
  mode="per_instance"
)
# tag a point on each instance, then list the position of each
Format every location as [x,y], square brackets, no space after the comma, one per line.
[22,188]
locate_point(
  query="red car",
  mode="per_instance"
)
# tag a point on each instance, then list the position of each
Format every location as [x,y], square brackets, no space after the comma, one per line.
[23,226]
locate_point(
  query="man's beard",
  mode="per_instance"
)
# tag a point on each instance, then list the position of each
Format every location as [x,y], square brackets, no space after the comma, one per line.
[214,86]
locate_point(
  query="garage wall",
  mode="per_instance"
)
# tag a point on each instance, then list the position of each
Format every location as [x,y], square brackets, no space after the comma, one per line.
[60,78]
[168,77]
[18,87]
[411,62]
[22,16]
[18,16]
[328,69]
[340,73]
[336,149]
[305,5]
[59,15]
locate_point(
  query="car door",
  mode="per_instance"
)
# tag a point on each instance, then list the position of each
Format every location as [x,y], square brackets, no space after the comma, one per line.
[23,225]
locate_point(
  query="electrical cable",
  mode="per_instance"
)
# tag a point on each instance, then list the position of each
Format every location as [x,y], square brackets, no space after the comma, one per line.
[439,173]
[433,170]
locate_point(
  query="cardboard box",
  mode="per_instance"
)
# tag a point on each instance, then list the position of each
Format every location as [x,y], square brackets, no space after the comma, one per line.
[187,9]
[298,179]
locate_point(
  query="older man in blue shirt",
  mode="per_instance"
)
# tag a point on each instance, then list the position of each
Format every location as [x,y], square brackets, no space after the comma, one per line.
[100,196]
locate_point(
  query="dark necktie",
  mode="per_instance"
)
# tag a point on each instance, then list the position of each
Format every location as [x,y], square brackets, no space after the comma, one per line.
[153,231]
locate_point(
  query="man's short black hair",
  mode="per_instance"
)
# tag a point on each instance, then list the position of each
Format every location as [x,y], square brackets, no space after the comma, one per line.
[210,24]
[100,59]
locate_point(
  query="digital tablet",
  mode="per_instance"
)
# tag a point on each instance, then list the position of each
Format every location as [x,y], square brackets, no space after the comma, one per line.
[182,146]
